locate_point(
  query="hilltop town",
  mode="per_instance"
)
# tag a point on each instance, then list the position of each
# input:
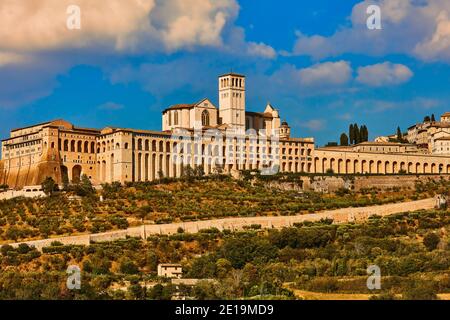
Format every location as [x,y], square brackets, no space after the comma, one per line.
[225,139]
[223,203]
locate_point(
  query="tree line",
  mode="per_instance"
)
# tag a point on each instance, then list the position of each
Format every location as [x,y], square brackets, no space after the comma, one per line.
[429,119]
[356,134]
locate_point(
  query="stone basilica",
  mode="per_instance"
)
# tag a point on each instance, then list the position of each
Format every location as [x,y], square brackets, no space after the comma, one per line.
[223,139]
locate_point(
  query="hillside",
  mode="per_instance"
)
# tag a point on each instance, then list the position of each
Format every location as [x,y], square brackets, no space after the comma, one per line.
[117,207]
[310,260]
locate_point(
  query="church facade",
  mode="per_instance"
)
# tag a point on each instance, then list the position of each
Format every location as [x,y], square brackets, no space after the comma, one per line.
[224,139]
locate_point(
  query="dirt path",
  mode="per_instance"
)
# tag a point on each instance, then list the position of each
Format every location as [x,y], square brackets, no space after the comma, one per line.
[338,216]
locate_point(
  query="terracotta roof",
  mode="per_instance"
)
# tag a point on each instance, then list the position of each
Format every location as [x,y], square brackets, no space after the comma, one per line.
[232,74]
[187,105]
[34,125]
[441,125]
[369,143]
[180,106]
[260,114]
[170,265]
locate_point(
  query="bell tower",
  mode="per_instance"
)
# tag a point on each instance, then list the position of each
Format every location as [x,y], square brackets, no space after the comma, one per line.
[232,100]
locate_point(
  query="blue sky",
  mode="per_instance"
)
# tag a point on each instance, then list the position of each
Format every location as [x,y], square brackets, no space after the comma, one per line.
[315,61]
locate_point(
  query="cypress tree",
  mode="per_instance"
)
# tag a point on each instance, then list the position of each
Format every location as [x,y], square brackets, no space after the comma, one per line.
[399,134]
[351,133]
[366,133]
[344,139]
[357,133]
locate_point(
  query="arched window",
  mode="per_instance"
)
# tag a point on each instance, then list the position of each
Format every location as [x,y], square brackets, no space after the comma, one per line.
[175,120]
[205,118]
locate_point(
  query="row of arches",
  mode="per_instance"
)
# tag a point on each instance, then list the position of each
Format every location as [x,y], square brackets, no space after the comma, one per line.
[76,146]
[110,145]
[89,146]
[205,149]
[155,146]
[296,167]
[151,166]
[235,82]
[348,166]
[74,176]
[143,144]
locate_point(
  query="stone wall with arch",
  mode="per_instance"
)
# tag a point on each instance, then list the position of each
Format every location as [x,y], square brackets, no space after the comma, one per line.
[343,162]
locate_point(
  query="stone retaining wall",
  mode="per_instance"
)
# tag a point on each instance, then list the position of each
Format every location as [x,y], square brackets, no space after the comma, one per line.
[338,216]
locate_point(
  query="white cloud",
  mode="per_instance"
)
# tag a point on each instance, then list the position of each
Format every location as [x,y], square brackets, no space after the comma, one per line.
[198,22]
[316,46]
[318,79]
[132,26]
[314,124]
[379,105]
[34,36]
[110,106]
[327,73]
[262,50]
[416,28]
[437,46]
[23,80]
[8,58]
[344,116]
[40,25]
[384,74]
[159,78]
